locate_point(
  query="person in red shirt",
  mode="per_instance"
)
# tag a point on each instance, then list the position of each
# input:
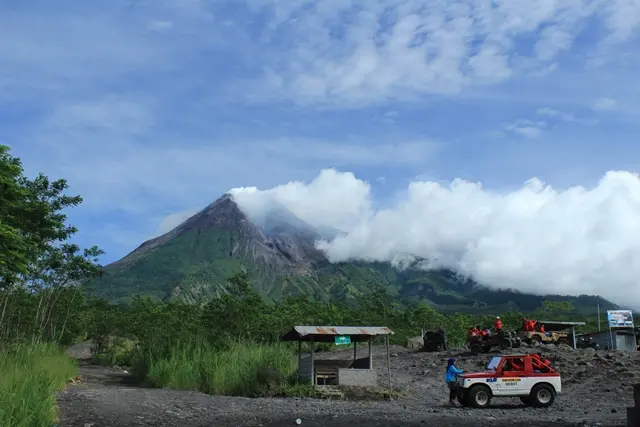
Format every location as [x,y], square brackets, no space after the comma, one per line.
[518,365]
[541,363]
[498,324]
[542,329]
[471,332]
[525,324]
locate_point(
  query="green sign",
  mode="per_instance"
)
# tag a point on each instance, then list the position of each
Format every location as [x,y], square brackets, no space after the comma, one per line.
[343,339]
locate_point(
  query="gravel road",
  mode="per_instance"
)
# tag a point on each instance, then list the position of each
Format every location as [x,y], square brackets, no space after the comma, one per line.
[596,390]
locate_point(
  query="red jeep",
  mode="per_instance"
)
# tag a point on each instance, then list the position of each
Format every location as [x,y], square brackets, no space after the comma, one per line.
[527,376]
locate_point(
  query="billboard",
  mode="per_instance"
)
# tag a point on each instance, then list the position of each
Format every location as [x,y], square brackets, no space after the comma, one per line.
[620,318]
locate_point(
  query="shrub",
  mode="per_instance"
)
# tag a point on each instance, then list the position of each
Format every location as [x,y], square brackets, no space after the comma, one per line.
[31,376]
[238,368]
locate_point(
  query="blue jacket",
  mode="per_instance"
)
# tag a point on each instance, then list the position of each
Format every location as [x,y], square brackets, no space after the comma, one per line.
[450,376]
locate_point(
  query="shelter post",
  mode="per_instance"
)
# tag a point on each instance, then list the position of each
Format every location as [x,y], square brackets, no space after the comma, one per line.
[388,362]
[573,336]
[370,352]
[355,350]
[299,357]
[611,343]
[313,367]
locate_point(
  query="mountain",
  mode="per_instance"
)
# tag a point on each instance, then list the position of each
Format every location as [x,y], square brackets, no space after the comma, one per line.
[193,261]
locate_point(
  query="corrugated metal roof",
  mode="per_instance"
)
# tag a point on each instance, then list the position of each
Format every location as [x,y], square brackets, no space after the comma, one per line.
[550,322]
[343,330]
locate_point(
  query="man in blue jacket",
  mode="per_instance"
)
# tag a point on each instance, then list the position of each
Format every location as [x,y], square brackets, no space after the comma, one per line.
[450,378]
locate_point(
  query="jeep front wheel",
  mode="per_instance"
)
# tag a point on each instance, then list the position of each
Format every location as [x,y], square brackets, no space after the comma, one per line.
[463,398]
[479,396]
[542,396]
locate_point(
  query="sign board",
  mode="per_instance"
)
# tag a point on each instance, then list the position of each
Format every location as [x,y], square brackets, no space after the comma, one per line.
[620,318]
[343,339]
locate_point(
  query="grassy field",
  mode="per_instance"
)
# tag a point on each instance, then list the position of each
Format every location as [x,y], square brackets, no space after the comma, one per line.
[239,369]
[30,377]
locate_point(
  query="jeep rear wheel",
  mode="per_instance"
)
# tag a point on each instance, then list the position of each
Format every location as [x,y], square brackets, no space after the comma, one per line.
[506,343]
[476,348]
[564,341]
[479,396]
[535,340]
[542,396]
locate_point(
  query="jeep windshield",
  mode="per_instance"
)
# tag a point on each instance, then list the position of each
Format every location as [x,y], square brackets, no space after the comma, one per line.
[493,365]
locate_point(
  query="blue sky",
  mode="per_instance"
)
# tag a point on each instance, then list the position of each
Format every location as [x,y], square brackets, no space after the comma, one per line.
[155,108]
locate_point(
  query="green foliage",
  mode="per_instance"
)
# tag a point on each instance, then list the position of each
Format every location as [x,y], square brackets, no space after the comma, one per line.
[31,377]
[241,369]
[552,308]
[37,304]
[35,255]
[195,265]
[225,345]
[33,230]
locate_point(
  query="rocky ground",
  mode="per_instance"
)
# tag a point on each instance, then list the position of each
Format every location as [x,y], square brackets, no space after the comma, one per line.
[597,387]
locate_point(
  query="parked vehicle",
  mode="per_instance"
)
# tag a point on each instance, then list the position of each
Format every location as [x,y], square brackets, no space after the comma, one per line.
[434,341]
[527,376]
[587,341]
[502,340]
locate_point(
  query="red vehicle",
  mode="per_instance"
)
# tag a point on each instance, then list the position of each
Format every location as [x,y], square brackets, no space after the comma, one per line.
[527,376]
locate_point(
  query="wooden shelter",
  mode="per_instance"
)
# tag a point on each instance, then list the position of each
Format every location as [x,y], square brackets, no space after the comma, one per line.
[356,372]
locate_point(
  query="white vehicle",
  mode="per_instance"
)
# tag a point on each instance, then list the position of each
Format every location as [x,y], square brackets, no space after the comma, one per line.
[527,376]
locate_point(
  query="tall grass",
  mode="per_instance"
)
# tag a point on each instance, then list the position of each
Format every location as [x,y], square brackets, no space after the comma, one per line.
[237,369]
[30,377]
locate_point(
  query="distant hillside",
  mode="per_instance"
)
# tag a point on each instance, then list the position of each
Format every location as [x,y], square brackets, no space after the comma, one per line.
[193,261]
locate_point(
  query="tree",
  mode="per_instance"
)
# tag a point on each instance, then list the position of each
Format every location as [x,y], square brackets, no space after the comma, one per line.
[34,248]
[555,308]
[32,223]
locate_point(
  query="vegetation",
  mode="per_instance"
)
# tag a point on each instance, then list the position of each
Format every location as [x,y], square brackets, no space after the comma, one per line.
[37,264]
[225,345]
[31,376]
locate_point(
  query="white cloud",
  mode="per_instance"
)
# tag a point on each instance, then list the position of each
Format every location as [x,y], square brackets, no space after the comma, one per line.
[342,53]
[527,128]
[333,199]
[605,104]
[536,239]
[565,117]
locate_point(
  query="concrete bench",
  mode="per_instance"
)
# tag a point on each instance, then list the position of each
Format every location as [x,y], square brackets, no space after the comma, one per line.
[326,373]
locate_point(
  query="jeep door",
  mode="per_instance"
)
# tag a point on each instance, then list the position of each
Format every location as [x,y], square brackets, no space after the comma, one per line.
[512,379]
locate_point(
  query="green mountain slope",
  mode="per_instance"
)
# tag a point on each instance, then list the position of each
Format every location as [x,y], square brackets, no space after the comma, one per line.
[193,262]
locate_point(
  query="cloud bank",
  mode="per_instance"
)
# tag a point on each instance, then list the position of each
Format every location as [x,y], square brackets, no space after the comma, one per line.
[535,239]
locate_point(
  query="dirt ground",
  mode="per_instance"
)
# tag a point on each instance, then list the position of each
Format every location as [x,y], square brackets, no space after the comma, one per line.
[597,387]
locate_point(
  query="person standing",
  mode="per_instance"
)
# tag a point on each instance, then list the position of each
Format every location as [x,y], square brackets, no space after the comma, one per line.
[498,325]
[451,379]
